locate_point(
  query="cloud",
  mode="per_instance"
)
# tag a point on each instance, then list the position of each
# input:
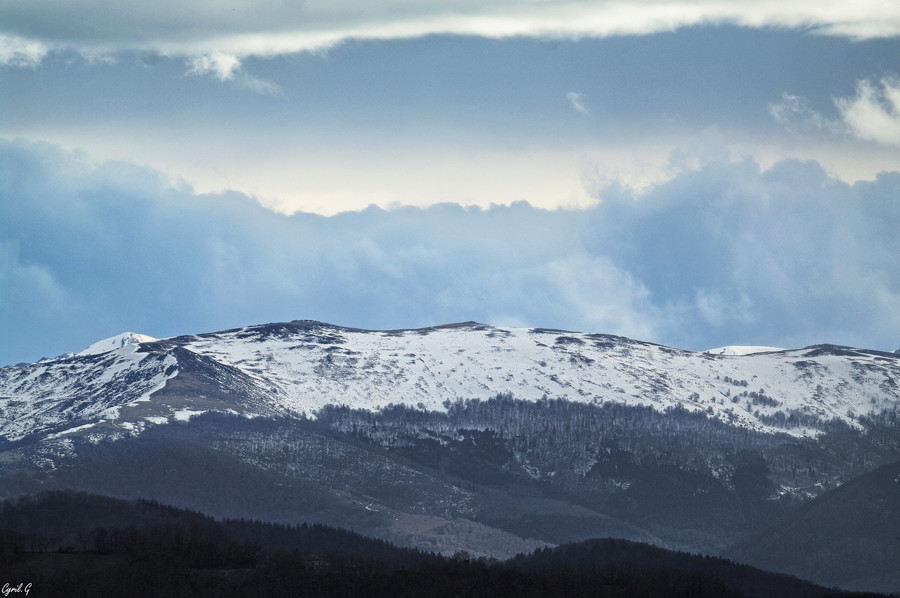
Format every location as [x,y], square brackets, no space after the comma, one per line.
[28,285]
[31,293]
[226,67]
[773,254]
[145,256]
[270,27]
[21,52]
[220,65]
[797,116]
[577,102]
[874,113]
[257,85]
[724,253]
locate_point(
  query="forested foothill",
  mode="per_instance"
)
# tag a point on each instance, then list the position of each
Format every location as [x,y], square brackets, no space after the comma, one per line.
[75,544]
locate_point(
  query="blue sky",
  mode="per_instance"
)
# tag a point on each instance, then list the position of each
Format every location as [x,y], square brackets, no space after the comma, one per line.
[720,173]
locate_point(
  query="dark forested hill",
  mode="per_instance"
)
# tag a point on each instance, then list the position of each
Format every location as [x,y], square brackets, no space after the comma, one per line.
[76,544]
[849,536]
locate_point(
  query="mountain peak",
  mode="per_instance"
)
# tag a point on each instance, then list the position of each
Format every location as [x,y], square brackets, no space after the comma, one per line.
[116,342]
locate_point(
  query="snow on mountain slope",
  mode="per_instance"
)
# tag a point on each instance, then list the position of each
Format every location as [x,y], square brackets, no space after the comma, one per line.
[50,395]
[116,342]
[742,350]
[309,364]
[299,367]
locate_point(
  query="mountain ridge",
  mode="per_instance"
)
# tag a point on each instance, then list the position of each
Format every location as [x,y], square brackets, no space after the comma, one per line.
[535,372]
[303,365]
[465,436]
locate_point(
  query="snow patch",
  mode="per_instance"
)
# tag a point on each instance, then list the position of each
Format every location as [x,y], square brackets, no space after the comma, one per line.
[70,431]
[116,342]
[184,415]
[738,350]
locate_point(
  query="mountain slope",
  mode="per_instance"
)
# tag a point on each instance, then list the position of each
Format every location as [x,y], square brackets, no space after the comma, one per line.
[742,350]
[849,537]
[303,366]
[119,392]
[64,393]
[310,364]
[459,437]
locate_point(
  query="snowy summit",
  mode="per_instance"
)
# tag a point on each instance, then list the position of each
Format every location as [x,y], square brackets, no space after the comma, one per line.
[116,342]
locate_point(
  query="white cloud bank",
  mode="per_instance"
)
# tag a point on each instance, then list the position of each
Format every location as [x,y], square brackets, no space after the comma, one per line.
[31,28]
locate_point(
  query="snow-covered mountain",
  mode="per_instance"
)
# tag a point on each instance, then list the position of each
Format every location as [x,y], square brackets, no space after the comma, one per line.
[464,436]
[299,367]
[308,365]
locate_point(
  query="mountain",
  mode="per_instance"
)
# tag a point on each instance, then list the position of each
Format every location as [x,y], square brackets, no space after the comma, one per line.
[300,367]
[848,537]
[459,437]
